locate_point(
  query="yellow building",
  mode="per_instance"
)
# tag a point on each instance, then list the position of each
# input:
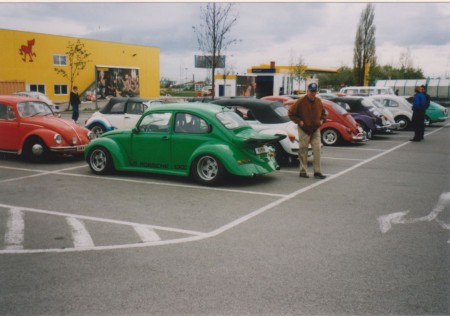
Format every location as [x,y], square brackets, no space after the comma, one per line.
[31,58]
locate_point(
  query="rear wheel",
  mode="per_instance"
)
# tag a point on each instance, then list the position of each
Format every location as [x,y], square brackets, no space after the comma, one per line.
[403,122]
[208,170]
[100,161]
[331,137]
[35,149]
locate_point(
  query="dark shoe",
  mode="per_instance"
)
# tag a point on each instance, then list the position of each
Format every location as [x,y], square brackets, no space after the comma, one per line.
[414,140]
[318,175]
[303,175]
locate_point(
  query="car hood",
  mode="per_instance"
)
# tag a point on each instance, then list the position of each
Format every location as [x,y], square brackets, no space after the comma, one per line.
[56,124]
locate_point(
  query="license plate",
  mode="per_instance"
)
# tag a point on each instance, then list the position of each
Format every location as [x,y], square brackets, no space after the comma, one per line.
[81,148]
[262,150]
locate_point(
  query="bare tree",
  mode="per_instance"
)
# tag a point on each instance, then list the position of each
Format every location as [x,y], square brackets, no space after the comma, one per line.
[406,61]
[364,50]
[77,61]
[213,33]
[297,69]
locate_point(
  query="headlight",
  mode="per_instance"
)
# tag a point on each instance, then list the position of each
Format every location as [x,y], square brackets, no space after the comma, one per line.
[58,138]
[74,140]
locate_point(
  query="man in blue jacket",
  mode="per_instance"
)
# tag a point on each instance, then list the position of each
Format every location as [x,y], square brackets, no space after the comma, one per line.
[418,119]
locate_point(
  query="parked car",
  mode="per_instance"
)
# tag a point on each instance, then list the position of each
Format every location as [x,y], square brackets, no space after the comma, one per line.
[119,112]
[435,113]
[399,107]
[364,90]
[29,128]
[39,96]
[268,117]
[281,98]
[185,139]
[388,117]
[339,125]
[365,114]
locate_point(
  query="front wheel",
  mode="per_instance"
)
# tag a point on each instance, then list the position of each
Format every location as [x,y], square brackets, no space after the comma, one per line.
[208,170]
[35,150]
[97,130]
[100,161]
[331,137]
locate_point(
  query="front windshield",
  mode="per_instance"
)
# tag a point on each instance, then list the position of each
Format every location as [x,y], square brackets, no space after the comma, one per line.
[230,119]
[33,108]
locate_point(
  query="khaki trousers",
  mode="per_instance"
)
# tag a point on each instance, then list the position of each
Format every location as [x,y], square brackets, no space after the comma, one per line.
[305,140]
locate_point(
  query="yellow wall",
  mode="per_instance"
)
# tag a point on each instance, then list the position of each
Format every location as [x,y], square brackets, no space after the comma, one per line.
[41,69]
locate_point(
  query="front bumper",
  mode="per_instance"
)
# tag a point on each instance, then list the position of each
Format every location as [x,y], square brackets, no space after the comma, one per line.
[68,149]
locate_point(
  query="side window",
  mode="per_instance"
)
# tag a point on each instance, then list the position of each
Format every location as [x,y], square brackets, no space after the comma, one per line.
[118,108]
[393,104]
[187,123]
[156,122]
[3,112]
[135,108]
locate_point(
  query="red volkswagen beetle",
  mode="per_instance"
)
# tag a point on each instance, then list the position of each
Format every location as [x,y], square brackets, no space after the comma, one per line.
[339,126]
[28,127]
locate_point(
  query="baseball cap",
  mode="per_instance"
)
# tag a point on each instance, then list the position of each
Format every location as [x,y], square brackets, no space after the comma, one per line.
[312,86]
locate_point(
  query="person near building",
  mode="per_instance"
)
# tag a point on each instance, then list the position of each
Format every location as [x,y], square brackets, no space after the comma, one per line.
[418,119]
[309,114]
[75,102]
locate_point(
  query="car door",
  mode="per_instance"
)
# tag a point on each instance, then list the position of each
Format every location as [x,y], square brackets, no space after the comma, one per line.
[151,142]
[9,127]
[190,132]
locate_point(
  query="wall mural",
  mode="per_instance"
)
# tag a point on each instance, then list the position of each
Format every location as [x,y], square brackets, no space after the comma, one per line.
[27,50]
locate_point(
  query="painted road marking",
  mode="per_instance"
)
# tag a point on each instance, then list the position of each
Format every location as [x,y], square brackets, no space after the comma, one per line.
[14,230]
[387,221]
[146,234]
[80,235]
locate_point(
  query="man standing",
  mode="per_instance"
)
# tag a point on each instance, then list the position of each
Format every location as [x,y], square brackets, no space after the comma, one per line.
[418,119]
[75,102]
[308,113]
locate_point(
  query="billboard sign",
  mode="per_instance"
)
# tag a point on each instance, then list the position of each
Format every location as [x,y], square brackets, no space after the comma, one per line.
[112,81]
[207,61]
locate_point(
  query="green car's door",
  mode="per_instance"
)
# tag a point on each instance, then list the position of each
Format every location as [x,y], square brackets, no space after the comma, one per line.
[190,132]
[151,144]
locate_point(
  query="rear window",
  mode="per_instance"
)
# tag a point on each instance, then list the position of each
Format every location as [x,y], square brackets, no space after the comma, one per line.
[230,120]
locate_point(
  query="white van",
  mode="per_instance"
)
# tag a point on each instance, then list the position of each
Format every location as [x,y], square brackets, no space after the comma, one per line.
[367,90]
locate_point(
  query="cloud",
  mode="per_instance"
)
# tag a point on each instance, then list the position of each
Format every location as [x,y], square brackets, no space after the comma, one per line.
[322,33]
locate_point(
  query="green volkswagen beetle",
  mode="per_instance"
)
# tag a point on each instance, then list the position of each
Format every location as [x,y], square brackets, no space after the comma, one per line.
[205,141]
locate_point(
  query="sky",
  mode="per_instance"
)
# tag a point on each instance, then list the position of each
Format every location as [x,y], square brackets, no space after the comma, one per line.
[322,34]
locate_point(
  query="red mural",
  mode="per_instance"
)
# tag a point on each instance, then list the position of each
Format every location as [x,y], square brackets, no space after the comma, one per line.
[27,51]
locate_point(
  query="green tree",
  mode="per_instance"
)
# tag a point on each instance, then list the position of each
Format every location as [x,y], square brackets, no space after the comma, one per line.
[78,58]
[344,76]
[213,33]
[364,50]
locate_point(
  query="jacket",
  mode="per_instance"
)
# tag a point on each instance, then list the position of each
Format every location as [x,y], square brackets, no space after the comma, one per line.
[419,102]
[310,112]
[74,99]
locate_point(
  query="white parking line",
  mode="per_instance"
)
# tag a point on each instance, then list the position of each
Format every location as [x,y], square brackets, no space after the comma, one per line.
[80,235]
[14,235]
[146,234]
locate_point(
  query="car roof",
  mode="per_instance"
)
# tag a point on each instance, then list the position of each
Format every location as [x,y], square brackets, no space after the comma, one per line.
[189,106]
[348,98]
[12,99]
[107,107]
[249,103]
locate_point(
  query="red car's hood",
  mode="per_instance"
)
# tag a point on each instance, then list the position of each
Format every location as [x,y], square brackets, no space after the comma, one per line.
[59,125]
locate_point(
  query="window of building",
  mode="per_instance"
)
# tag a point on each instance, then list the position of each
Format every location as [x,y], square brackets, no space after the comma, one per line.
[37,87]
[60,89]
[60,60]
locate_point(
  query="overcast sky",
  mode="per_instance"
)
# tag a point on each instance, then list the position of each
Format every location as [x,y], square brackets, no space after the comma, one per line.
[322,34]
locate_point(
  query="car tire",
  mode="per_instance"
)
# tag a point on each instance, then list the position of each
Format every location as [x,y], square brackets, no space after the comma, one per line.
[208,170]
[331,137]
[282,157]
[35,150]
[403,122]
[100,161]
[97,130]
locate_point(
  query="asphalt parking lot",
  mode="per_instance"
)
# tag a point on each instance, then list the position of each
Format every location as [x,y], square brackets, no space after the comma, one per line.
[372,238]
